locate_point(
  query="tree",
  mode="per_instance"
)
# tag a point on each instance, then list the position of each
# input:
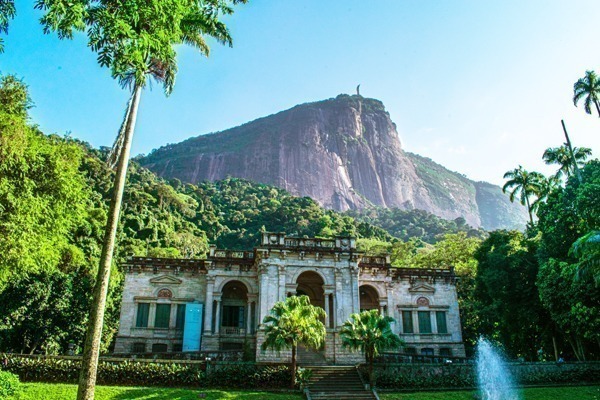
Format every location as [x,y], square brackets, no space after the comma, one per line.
[7,12]
[505,282]
[136,40]
[524,184]
[562,157]
[292,322]
[371,334]
[588,88]
[43,195]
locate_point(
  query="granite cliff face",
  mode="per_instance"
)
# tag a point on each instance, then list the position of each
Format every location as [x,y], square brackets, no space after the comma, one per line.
[343,152]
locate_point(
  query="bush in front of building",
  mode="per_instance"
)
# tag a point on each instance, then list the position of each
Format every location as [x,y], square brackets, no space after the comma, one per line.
[413,376]
[9,384]
[134,373]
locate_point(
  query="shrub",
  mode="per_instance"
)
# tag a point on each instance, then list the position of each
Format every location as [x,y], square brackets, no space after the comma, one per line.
[9,384]
[130,373]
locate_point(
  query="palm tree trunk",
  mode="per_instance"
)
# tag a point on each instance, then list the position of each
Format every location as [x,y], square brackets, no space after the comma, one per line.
[293,367]
[529,209]
[89,362]
[555,348]
[575,166]
[597,107]
[371,374]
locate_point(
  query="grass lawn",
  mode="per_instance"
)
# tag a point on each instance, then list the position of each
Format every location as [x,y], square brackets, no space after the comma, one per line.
[554,393]
[46,391]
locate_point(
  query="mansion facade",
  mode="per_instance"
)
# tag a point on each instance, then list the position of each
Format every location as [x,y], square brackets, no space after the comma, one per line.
[218,303]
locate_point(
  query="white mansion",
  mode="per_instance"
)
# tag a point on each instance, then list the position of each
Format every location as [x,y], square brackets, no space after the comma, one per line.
[218,303]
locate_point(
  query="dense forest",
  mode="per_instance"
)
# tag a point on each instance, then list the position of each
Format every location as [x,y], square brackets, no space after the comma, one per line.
[54,195]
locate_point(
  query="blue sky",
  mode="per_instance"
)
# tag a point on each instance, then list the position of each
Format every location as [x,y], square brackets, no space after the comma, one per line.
[478,86]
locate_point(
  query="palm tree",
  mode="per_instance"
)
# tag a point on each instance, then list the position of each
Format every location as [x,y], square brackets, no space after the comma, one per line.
[588,87]
[136,40]
[587,250]
[524,184]
[291,323]
[7,12]
[562,157]
[545,187]
[370,333]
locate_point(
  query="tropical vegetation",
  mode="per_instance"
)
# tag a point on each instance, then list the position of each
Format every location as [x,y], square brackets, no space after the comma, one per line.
[370,333]
[588,90]
[136,41]
[291,323]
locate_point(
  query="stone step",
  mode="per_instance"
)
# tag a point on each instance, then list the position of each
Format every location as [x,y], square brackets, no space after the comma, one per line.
[342,395]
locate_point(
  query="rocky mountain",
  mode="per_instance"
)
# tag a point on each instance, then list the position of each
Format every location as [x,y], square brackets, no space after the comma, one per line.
[343,152]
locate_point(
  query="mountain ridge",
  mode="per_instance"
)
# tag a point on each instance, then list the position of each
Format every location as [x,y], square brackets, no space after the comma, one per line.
[345,153]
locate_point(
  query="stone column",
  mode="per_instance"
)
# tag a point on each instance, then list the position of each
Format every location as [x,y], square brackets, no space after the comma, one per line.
[217,297]
[208,306]
[354,284]
[281,288]
[327,316]
[263,279]
[248,316]
[337,297]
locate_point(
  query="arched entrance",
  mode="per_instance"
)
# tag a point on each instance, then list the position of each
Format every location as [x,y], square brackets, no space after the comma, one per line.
[310,284]
[369,298]
[234,300]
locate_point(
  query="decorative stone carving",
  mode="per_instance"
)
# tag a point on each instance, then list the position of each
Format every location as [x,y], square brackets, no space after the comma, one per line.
[422,302]
[165,294]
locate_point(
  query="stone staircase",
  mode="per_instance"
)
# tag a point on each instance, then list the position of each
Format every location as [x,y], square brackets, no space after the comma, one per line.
[335,382]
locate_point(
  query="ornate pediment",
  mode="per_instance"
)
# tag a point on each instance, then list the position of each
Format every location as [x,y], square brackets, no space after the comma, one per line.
[421,288]
[166,280]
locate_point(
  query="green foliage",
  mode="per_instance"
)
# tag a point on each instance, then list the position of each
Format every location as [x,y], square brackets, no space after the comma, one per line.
[525,185]
[412,224]
[136,39]
[49,391]
[370,333]
[7,12]
[588,89]
[403,376]
[562,157]
[505,282]
[43,195]
[9,384]
[568,257]
[292,322]
[235,375]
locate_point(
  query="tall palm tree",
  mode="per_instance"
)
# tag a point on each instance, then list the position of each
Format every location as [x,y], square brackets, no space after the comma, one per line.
[135,39]
[291,323]
[588,88]
[523,184]
[370,333]
[545,187]
[7,12]
[562,157]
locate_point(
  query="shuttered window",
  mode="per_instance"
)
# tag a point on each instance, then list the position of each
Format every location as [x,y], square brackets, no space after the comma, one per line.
[440,317]
[180,320]
[141,320]
[424,322]
[163,315]
[407,322]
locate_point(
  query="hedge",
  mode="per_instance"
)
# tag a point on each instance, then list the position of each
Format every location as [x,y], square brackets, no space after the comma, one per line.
[407,376]
[135,373]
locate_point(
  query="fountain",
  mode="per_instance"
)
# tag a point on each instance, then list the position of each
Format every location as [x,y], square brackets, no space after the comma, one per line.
[493,378]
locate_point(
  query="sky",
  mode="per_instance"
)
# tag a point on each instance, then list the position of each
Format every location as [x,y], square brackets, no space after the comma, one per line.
[478,86]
